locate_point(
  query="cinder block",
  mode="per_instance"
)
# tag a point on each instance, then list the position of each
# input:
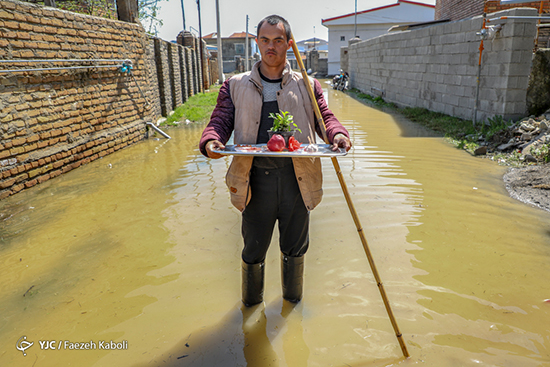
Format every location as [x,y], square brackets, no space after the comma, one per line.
[520,70]
[515,95]
[441,78]
[449,98]
[455,27]
[488,94]
[438,106]
[485,105]
[463,112]
[493,82]
[464,102]
[448,110]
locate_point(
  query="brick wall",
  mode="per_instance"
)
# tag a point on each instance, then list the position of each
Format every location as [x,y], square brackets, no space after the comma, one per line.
[460,9]
[153,90]
[53,121]
[436,67]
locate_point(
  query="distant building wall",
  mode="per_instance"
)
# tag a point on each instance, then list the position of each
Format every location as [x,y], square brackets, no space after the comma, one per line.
[233,48]
[436,67]
[460,9]
[371,23]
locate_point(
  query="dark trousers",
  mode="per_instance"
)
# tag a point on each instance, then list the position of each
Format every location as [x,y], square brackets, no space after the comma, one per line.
[275,197]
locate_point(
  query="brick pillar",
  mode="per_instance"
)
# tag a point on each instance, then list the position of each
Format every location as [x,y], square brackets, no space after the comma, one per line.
[183,73]
[175,79]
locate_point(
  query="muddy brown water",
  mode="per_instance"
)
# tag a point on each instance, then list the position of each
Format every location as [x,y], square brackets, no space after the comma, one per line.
[143,247]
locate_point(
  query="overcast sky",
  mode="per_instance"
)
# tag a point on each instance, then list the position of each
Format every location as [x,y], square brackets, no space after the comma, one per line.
[304,16]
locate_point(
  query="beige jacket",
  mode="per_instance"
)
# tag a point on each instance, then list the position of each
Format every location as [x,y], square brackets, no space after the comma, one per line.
[246,93]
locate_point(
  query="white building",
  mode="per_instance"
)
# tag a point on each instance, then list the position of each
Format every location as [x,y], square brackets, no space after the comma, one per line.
[371,23]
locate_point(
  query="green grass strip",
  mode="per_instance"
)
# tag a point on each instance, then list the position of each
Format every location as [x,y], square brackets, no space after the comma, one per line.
[198,108]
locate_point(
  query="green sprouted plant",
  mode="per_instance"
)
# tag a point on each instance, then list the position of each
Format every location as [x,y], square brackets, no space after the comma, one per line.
[283,121]
[494,125]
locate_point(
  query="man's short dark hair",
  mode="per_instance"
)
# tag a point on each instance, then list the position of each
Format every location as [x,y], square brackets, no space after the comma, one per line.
[274,20]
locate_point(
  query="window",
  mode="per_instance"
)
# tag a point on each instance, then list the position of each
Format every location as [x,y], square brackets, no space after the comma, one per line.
[342,38]
[239,48]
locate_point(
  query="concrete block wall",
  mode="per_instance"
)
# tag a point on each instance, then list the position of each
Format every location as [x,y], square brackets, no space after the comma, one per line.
[436,67]
[52,121]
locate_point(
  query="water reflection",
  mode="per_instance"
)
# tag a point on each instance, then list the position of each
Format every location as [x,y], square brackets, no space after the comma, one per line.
[244,337]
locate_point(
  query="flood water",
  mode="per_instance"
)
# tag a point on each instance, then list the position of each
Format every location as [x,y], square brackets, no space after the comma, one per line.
[142,248]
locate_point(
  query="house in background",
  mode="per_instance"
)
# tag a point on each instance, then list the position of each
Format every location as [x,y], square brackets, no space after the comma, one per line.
[233,48]
[305,46]
[371,23]
[314,43]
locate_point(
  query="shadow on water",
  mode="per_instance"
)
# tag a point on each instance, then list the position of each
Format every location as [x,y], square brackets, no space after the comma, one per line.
[410,129]
[244,336]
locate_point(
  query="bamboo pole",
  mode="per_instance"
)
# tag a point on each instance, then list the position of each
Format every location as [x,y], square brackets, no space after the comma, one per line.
[349,202]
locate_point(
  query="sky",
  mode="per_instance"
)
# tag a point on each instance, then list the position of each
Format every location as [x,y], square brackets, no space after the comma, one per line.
[304,16]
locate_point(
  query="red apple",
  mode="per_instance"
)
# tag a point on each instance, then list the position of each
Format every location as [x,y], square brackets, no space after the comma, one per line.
[276,143]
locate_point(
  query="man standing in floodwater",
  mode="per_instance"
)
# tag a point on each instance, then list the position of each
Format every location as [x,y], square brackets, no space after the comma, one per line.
[267,189]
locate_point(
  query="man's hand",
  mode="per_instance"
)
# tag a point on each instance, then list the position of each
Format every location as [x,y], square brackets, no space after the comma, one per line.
[341,141]
[214,144]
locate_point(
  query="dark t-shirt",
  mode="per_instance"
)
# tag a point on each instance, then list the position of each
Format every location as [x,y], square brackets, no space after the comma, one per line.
[270,89]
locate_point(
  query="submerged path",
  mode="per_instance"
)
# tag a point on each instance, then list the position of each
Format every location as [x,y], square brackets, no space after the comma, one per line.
[144,247]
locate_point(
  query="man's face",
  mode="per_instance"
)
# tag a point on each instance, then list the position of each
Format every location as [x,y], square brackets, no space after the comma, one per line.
[273,44]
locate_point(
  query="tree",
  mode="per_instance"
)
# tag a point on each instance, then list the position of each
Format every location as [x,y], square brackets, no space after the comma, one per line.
[148,15]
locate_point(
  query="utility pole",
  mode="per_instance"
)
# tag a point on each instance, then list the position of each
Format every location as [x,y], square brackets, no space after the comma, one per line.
[200,45]
[219,37]
[183,15]
[355,18]
[314,39]
[246,47]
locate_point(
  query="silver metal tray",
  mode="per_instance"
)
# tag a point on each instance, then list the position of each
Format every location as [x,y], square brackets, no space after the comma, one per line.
[323,150]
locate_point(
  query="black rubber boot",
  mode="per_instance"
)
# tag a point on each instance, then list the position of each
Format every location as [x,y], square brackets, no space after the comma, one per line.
[253,283]
[292,271]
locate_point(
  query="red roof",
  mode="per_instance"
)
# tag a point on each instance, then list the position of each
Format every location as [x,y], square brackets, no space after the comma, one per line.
[379,8]
[241,35]
[210,35]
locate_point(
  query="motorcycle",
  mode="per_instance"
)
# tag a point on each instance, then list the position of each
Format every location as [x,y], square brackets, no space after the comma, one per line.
[340,81]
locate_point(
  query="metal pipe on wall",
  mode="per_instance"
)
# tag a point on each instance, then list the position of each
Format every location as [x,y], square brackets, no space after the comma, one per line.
[482,34]
[518,17]
[44,61]
[60,68]
[59,60]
